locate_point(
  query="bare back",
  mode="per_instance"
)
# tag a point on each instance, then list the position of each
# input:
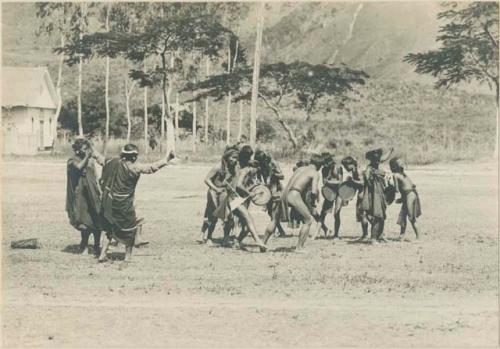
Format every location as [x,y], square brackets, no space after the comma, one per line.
[303,179]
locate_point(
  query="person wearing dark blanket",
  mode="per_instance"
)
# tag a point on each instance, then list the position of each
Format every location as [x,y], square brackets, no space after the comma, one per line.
[83,197]
[373,203]
[120,176]
[410,208]
[304,179]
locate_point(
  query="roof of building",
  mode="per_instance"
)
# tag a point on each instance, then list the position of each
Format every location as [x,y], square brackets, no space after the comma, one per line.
[28,87]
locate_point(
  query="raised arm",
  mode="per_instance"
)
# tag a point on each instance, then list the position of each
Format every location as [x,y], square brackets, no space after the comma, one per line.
[153,167]
[80,165]
[387,156]
[99,158]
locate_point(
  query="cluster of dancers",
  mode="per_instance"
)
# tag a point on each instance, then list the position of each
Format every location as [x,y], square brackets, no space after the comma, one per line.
[242,177]
[245,177]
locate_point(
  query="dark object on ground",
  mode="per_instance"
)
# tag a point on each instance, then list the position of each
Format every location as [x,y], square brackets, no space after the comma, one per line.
[26,243]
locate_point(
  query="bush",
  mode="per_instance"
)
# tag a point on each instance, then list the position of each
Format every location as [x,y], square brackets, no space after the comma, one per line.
[265,131]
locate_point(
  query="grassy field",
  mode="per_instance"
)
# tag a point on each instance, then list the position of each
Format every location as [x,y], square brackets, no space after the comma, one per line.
[442,291]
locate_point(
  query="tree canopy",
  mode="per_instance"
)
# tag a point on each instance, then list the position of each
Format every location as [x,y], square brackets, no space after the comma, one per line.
[469,46]
[303,83]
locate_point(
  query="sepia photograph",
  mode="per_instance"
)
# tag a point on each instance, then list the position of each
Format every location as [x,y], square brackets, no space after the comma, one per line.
[280,174]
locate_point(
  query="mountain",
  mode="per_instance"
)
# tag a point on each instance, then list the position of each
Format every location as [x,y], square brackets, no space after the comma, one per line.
[373,36]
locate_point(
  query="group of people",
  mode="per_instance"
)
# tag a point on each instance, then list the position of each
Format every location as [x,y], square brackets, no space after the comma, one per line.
[108,206]
[242,176]
[231,188]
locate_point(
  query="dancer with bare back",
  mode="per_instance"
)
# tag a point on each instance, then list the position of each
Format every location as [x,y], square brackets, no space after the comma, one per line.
[305,179]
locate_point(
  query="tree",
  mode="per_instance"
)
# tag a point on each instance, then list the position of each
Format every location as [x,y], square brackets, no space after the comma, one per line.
[299,83]
[59,18]
[177,28]
[255,82]
[469,47]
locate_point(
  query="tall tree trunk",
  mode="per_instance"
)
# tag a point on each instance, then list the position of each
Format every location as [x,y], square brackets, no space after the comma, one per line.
[79,98]
[240,126]
[228,118]
[497,120]
[80,63]
[229,97]
[206,104]
[106,97]
[162,125]
[162,117]
[128,92]
[255,78]
[176,116]
[194,126]
[146,145]
[58,88]
[169,120]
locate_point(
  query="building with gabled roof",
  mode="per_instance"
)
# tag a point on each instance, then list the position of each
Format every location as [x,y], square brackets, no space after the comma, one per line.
[29,104]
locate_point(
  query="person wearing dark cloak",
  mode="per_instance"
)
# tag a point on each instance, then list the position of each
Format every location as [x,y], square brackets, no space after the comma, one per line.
[83,197]
[120,176]
[373,203]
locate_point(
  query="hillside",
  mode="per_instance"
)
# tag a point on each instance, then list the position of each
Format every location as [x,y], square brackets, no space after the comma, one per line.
[396,107]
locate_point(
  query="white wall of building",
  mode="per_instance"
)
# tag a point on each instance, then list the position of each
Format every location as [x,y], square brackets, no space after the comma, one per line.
[27,130]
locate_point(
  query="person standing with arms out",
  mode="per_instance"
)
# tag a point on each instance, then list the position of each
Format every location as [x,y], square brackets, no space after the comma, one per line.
[120,176]
[304,179]
[410,209]
[83,197]
[373,203]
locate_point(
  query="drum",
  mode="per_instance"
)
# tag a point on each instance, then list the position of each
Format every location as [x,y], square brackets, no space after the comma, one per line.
[390,194]
[347,191]
[261,195]
[328,193]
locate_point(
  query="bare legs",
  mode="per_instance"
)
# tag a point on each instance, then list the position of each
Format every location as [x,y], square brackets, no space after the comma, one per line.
[247,219]
[105,245]
[403,228]
[295,200]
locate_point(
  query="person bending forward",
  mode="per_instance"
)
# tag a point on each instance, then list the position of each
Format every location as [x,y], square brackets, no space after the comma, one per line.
[304,179]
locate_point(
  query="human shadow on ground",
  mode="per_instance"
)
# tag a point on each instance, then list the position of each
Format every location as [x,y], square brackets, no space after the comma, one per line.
[75,249]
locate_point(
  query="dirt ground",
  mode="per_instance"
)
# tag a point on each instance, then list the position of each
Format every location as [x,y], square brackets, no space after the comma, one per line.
[442,291]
